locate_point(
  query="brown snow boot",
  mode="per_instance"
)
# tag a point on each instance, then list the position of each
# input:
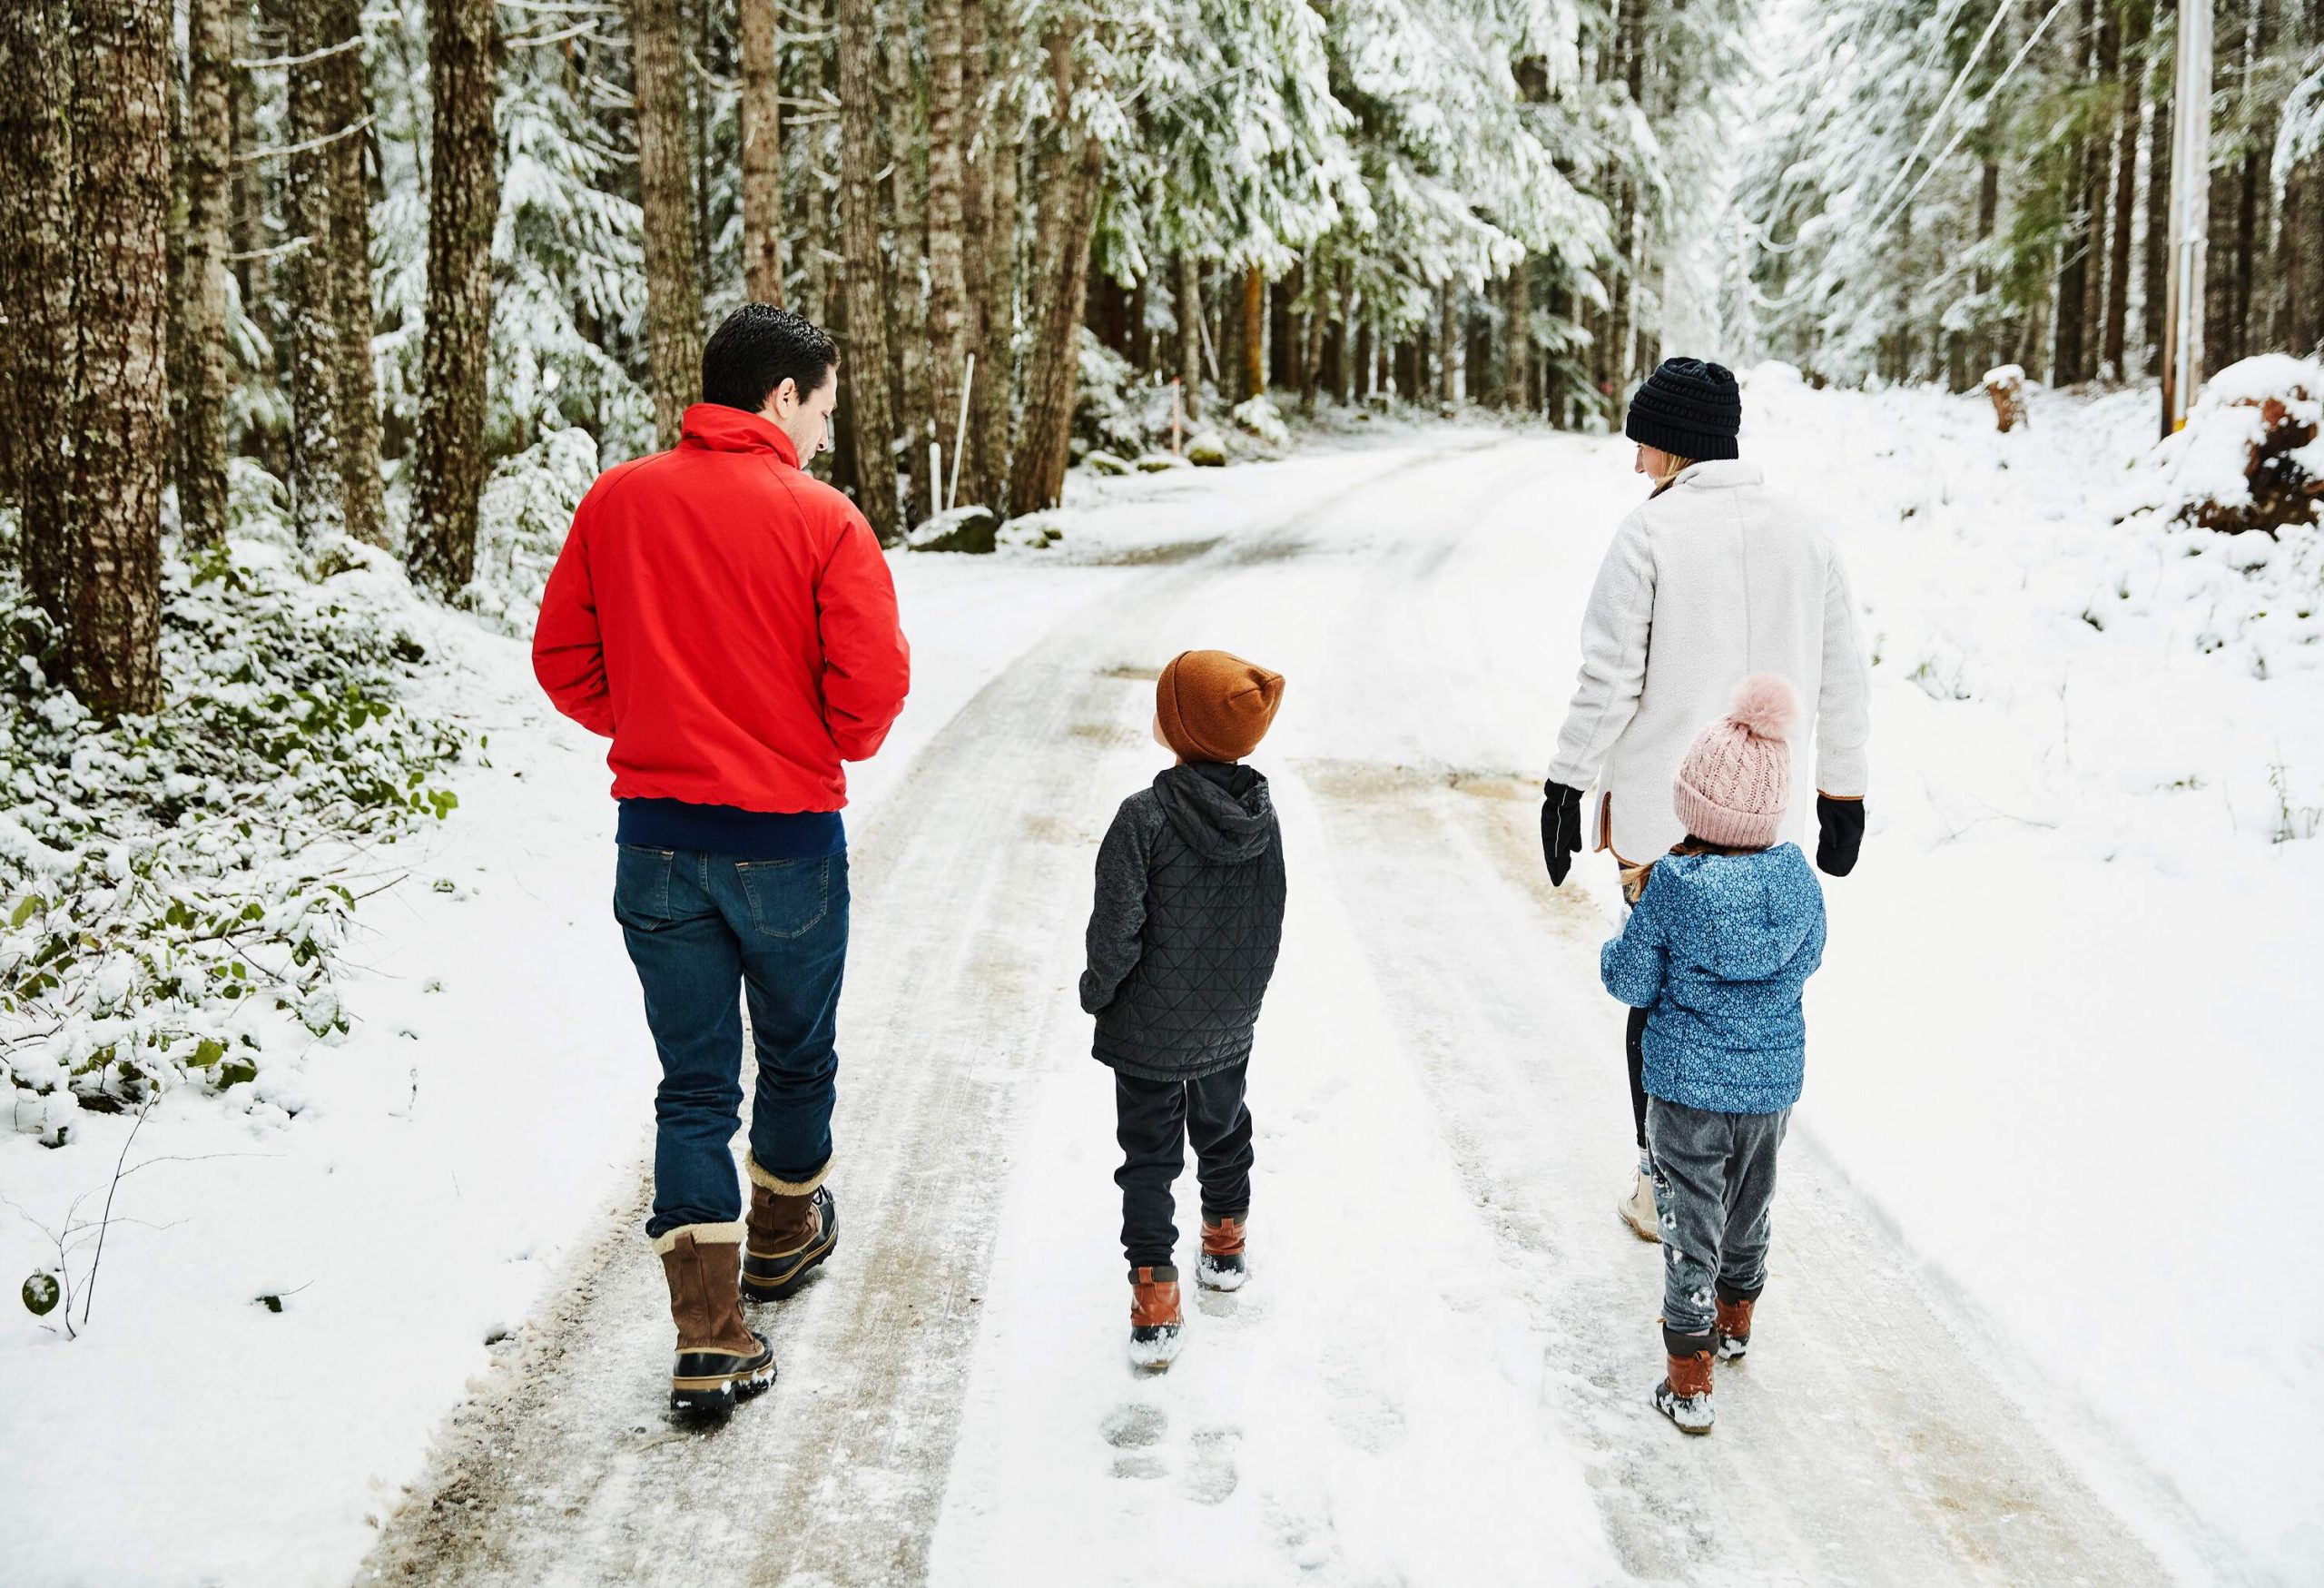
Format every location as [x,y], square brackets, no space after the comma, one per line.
[793,1225]
[1153,1317]
[720,1361]
[1220,1267]
[1732,1328]
[1684,1393]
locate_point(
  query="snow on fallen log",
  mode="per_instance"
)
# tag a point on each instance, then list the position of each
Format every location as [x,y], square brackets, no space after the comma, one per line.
[2250,457]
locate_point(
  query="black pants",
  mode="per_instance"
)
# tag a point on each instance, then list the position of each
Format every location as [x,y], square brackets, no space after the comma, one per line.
[1634,1038]
[1154,1121]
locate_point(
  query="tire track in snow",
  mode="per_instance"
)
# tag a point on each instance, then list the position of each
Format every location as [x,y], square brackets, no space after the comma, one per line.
[570,1473]
[1866,1441]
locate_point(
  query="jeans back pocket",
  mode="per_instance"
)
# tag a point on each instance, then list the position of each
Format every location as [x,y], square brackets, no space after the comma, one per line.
[642,886]
[788,898]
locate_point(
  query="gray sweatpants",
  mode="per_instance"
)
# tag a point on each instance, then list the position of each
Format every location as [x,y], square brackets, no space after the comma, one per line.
[1714,1180]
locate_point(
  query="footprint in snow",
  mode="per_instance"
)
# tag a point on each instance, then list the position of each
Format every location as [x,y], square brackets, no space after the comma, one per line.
[1213,1476]
[1133,1425]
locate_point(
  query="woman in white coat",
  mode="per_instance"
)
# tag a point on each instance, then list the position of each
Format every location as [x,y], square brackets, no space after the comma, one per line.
[1713,577]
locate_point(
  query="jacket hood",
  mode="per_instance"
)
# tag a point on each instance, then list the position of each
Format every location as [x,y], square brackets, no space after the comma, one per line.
[720,429]
[1221,811]
[1748,906]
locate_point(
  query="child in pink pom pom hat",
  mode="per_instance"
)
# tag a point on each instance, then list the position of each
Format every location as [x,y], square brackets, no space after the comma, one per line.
[1726,929]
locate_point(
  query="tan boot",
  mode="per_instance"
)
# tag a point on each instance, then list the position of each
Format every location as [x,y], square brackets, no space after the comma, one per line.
[1154,1320]
[1221,1266]
[793,1225]
[1732,1328]
[1638,1209]
[720,1361]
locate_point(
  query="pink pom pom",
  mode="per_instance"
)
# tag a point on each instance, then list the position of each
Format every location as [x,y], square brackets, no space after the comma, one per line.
[1765,705]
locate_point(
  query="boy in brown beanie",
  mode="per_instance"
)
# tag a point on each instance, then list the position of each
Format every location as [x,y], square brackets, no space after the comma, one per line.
[1182,943]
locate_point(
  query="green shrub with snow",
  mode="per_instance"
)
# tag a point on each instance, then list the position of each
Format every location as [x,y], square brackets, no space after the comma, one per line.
[178,888]
[521,524]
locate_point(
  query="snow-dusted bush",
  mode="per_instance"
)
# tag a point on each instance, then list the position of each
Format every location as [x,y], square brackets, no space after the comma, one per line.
[1259,417]
[521,524]
[177,888]
[1117,411]
[2250,457]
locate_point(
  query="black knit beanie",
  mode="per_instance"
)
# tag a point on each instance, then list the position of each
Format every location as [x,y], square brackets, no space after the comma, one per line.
[1689,409]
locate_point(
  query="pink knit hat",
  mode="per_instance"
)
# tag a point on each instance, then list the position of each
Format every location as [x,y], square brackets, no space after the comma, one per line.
[1735,782]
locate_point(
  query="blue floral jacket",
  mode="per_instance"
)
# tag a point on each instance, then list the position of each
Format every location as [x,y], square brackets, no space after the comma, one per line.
[1717,952]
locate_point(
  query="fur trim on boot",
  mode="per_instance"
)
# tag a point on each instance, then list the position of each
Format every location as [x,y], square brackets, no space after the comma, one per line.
[1155,1320]
[789,1234]
[1221,1266]
[720,1361]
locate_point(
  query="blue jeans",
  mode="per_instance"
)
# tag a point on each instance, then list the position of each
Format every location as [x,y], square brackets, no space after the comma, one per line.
[704,930]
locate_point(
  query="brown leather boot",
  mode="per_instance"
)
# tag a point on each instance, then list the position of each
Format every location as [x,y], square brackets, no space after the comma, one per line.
[1221,1266]
[1153,1317]
[720,1361]
[793,1225]
[1732,1328]
[1684,1393]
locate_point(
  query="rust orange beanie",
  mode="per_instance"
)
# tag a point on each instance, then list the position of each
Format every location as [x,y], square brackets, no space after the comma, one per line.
[1214,707]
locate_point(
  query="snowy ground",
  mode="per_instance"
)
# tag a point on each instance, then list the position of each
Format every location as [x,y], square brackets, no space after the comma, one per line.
[2032,1318]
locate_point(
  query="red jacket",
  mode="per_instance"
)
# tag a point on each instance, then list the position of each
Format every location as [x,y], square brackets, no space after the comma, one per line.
[728,620]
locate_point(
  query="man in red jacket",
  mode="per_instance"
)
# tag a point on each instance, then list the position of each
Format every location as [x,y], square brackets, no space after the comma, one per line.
[728,620]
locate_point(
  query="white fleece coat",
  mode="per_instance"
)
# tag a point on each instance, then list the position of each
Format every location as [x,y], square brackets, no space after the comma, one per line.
[1716,579]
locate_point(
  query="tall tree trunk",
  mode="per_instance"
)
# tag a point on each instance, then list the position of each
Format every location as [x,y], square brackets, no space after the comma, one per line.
[988,264]
[1988,207]
[36,288]
[2073,242]
[908,320]
[204,284]
[698,106]
[1553,393]
[1448,343]
[317,488]
[1254,345]
[117,424]
[993,229]
[2247,249]
[2116,320]
[1189,310]
[2096,160]
[463,205]
[947,330]
[1310,362]
[1517,364]
[351,278]
[2156,264]
[864,365]
[249,222]
[761,119]
[665,195]
[1037,474]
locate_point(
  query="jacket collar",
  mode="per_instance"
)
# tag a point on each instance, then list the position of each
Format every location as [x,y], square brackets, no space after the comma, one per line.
[714,426]
[1718,474]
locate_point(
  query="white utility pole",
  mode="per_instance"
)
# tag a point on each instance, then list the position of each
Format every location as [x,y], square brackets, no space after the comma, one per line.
[2190,213]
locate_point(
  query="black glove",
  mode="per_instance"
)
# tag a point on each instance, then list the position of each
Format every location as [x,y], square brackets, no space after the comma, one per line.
[1841,826]
[1561,829]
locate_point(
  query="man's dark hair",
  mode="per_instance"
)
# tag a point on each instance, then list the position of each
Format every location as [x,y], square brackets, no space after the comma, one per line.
[759,347]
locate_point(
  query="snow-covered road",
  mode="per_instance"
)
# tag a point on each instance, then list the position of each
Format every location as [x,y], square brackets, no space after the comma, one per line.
[1438,1373]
